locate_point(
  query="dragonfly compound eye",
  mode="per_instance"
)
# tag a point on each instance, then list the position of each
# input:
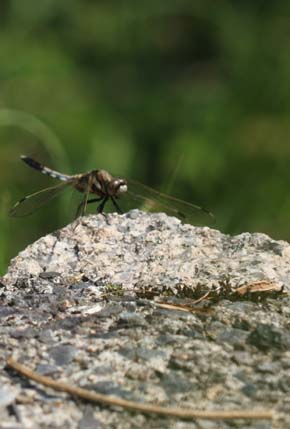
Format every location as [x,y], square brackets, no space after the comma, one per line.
[117,187]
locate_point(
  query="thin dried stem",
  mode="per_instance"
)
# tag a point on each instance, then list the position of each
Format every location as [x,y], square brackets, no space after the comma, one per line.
[88,395]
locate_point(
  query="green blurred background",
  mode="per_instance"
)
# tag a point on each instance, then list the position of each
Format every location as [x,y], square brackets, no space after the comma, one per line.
[190,93]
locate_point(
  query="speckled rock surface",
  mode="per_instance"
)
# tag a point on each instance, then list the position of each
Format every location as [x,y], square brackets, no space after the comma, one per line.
[153,251]
[82,305]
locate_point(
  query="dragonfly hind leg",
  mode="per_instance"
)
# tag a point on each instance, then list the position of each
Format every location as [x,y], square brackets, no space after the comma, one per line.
[82,204]
[93,200]
[80,208]
[101,206]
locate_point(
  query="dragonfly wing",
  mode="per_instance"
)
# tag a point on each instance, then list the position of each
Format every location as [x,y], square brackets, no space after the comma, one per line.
[30,203]
[157,201]
[82,207]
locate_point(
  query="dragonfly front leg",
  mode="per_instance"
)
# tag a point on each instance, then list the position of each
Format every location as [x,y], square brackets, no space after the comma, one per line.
[116,205]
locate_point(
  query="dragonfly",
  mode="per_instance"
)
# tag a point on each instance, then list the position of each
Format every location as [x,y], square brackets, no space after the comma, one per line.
[104,187]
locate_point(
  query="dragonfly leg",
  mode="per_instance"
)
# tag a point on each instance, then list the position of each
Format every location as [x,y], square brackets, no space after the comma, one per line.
[93,200]
[82,204]
[101,206]
[79,209]
[116,205]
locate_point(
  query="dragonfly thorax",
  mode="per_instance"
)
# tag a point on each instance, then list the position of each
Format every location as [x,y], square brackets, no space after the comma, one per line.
[111,186]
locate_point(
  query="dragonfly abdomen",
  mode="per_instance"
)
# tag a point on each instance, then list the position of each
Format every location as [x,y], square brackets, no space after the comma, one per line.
[45,170]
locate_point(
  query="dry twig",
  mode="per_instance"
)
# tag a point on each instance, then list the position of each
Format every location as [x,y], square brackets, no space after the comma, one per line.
[88,395]
[259,287]
[169,306]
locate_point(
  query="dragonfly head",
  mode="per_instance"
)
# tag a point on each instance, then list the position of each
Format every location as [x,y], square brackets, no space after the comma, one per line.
[117,187]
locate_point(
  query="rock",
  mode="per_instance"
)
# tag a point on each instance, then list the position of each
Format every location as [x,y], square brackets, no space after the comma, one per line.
[63,354]
[144,308]
[88,420]
[139,250]
[266,337]
[46,369]
[7,397]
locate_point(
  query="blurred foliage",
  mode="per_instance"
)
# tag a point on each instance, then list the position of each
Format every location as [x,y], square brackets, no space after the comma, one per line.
[138,88]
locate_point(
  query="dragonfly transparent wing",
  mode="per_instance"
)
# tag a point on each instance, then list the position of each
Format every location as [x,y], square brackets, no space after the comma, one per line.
[82,207]
[157,201]
[30,203]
